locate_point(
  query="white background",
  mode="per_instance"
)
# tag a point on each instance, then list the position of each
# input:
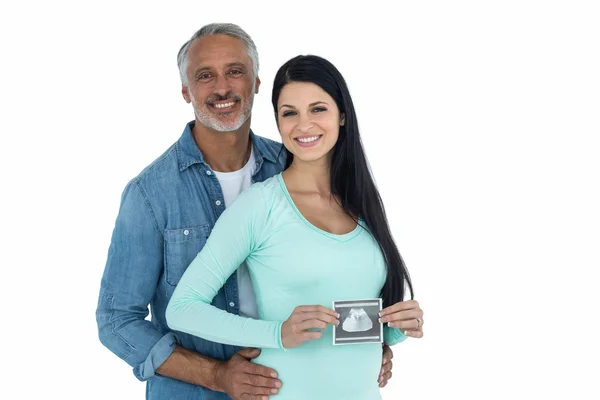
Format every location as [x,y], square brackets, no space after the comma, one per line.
[481,122]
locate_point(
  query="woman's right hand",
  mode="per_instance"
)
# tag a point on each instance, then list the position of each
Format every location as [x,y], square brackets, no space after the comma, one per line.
[296,330]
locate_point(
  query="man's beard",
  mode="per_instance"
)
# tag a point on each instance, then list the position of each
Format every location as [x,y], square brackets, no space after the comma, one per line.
[210,120]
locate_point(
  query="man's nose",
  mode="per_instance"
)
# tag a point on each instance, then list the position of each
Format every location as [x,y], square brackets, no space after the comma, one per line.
[221,86]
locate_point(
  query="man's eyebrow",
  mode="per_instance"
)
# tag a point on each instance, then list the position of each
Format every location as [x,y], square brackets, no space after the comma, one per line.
[236,64]
[201,69]
[207,68]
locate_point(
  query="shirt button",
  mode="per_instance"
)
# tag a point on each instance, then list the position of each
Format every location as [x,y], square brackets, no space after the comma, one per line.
[208,173]
[218,202]
[231,304]
[186,232]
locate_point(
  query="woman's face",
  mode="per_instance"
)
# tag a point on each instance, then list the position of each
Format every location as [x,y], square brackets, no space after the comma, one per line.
[309,121]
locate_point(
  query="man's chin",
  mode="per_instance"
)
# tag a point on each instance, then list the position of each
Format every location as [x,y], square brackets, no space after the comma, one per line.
[224,127]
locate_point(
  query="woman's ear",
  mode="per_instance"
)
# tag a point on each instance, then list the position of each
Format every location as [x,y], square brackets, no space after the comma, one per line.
[342,119]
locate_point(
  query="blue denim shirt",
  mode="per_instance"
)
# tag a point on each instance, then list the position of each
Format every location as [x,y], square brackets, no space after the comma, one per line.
[165,217]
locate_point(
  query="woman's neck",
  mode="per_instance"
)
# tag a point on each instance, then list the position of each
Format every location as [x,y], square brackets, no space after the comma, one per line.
[313,177]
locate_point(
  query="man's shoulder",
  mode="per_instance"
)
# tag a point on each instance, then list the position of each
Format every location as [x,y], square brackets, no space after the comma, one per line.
[268,142]
[163,168]
[272,146]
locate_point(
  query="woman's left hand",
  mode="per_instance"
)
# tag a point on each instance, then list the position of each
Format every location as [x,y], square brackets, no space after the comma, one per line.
[405,315]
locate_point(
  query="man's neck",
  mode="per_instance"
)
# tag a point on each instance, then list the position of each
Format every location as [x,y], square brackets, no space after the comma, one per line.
[224,151]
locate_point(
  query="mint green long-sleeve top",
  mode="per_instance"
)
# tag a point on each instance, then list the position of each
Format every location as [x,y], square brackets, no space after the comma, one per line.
[291,263]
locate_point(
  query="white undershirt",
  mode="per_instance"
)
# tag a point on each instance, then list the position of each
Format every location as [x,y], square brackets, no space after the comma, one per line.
[232,184]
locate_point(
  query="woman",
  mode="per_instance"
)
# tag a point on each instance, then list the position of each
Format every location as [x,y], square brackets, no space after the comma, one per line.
[313,234]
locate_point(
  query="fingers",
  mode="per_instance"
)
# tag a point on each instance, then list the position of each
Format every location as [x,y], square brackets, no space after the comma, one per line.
[310,324]
[400,306]
[317,308]
[262,382]
[325,317]
[257,369]
[249,352]
[403,315]
[249,396]
[306,336]
[254,392]
[410,323]
[387,367]
[388,354]
[414,334]
[383,379]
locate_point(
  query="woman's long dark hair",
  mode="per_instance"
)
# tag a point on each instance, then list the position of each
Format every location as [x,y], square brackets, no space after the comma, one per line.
[351,180]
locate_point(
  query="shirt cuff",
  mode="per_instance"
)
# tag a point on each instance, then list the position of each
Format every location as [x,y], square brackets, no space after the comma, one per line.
[393,336]
[278,335]
[158,355]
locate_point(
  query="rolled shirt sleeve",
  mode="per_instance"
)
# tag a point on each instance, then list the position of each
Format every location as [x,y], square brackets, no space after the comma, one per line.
[133,268]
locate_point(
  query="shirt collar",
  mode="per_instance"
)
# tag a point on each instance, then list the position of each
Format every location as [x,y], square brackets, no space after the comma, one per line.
[188,152]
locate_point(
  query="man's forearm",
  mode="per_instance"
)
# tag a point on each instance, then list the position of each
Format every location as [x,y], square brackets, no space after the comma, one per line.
[191,367]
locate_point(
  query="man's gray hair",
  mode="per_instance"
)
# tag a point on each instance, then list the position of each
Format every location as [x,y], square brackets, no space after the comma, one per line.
[217,29]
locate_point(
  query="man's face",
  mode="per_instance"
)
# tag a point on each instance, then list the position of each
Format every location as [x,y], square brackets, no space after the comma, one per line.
[221,83]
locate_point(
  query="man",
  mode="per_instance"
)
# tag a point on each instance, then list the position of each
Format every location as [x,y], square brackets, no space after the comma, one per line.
[165,217]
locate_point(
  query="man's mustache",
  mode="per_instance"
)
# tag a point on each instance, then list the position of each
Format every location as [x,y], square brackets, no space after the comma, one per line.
[228,96]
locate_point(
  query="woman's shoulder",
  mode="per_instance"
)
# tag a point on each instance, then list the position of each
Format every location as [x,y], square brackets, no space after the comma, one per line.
[268,184]
[261,193]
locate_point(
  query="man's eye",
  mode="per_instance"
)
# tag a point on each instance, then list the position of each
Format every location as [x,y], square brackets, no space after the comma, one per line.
[204,76]
[236,72]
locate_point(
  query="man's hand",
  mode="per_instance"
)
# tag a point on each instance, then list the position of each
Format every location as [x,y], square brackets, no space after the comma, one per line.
[243,380]
[386,366]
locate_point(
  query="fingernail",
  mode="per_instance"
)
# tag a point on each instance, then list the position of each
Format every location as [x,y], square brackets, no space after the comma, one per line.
[273,374]
[406,333]
[337,315]
[273,391]
[278,384]
[265,398]
[337,322]
[392,324]
[380,313]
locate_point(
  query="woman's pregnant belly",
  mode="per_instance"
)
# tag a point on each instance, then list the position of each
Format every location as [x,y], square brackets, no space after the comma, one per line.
[319,370]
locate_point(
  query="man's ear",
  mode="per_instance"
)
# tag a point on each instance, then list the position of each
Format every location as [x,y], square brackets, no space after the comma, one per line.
[185,93]
[257,85]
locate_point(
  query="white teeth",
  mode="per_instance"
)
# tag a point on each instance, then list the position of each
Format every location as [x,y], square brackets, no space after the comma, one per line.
[224,105]
[308,139]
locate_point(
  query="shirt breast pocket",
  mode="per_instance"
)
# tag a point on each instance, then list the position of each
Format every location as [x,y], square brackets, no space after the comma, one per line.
[181,247]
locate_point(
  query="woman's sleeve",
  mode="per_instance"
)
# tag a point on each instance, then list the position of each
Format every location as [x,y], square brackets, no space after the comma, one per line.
[233,238]
[392,336]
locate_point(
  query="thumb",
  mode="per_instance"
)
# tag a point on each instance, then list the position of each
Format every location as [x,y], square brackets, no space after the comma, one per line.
[249,352]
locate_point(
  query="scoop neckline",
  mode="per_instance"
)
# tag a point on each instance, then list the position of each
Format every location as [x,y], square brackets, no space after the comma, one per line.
[344,237]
